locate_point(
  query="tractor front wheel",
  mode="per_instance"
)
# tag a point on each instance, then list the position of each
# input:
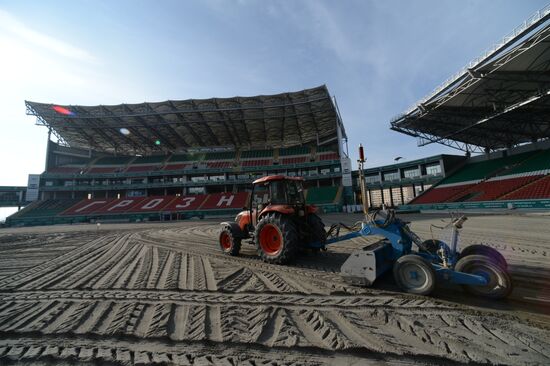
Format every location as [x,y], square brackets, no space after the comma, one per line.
[414,274]
[499,283]
[228,243]
[276,239]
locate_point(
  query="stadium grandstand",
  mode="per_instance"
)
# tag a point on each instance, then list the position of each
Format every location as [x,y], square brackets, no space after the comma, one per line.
[179,159]
[499,105]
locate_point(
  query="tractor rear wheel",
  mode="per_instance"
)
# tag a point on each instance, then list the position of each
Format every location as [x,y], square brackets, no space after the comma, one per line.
[499,282]
[414,274]
[317,229]
[228,243]
[276,239]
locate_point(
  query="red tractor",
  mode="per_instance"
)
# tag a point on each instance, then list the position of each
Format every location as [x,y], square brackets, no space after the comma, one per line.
[278,221]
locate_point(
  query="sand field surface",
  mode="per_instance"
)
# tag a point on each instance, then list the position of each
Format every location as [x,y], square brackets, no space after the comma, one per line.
[163,293]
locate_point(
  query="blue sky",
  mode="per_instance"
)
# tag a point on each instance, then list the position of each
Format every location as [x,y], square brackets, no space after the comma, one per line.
[376,57]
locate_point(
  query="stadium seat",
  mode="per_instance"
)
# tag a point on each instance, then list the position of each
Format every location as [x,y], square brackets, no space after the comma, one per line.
[493,189]
[440,194]
[219,164]
[255,154]
[154,159]
[65,169]
[152,204]
[176,166]
[537,189]
[485,169]
[142,168]
[297,150]
[249,163]
[538,162]
[113,160]
[329,156]
[185,203]
[105,169]
[222,155]
[45,208]
[321,195]
[295,160]
[225,201]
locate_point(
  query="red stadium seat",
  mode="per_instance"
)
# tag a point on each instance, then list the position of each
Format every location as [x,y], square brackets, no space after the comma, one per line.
[176,166]
[225,200]
[152,204]
[295,160]
[220,164]
[120,205]
[440,194]
[186,203]
[538,189]
[110,169]
[260,162]
[330,156]
[86,206]
[491,190]
[142,168]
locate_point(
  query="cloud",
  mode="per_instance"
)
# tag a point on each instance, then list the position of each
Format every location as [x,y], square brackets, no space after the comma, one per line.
[12,25]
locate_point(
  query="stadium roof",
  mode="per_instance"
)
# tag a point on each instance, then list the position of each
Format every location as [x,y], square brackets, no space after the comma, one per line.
[280,120]
[499,100]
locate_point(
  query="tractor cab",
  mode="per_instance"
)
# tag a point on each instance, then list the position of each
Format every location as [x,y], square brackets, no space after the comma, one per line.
[277,219]
[277,193]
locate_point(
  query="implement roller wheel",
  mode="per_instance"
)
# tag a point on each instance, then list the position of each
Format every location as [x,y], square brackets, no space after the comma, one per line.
[499,282]
[485,250]
[414,274]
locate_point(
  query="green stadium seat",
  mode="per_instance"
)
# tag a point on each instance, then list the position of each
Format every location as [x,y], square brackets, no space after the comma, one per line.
[255,154]
[321,195]
[297,150]
[484,169]
[536,162]
[154,159]
[222,155]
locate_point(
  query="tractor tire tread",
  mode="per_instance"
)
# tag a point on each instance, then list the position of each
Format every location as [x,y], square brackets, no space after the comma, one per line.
[235,243]
[289,235]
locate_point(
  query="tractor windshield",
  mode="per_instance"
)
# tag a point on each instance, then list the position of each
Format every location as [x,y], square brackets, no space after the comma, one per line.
[295,192]
[278,196]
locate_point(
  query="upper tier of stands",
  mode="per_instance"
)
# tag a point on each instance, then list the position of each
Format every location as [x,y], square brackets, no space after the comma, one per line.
[204,160]
[520,176]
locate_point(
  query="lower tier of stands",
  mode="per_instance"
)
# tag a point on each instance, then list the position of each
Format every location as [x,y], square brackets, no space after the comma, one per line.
[521,186]
[145,208]
[520,176]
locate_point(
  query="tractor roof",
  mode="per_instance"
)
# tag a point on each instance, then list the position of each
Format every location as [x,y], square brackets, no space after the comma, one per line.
[269,178]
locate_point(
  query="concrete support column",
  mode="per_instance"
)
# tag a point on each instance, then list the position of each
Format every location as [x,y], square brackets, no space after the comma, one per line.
[370,198]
